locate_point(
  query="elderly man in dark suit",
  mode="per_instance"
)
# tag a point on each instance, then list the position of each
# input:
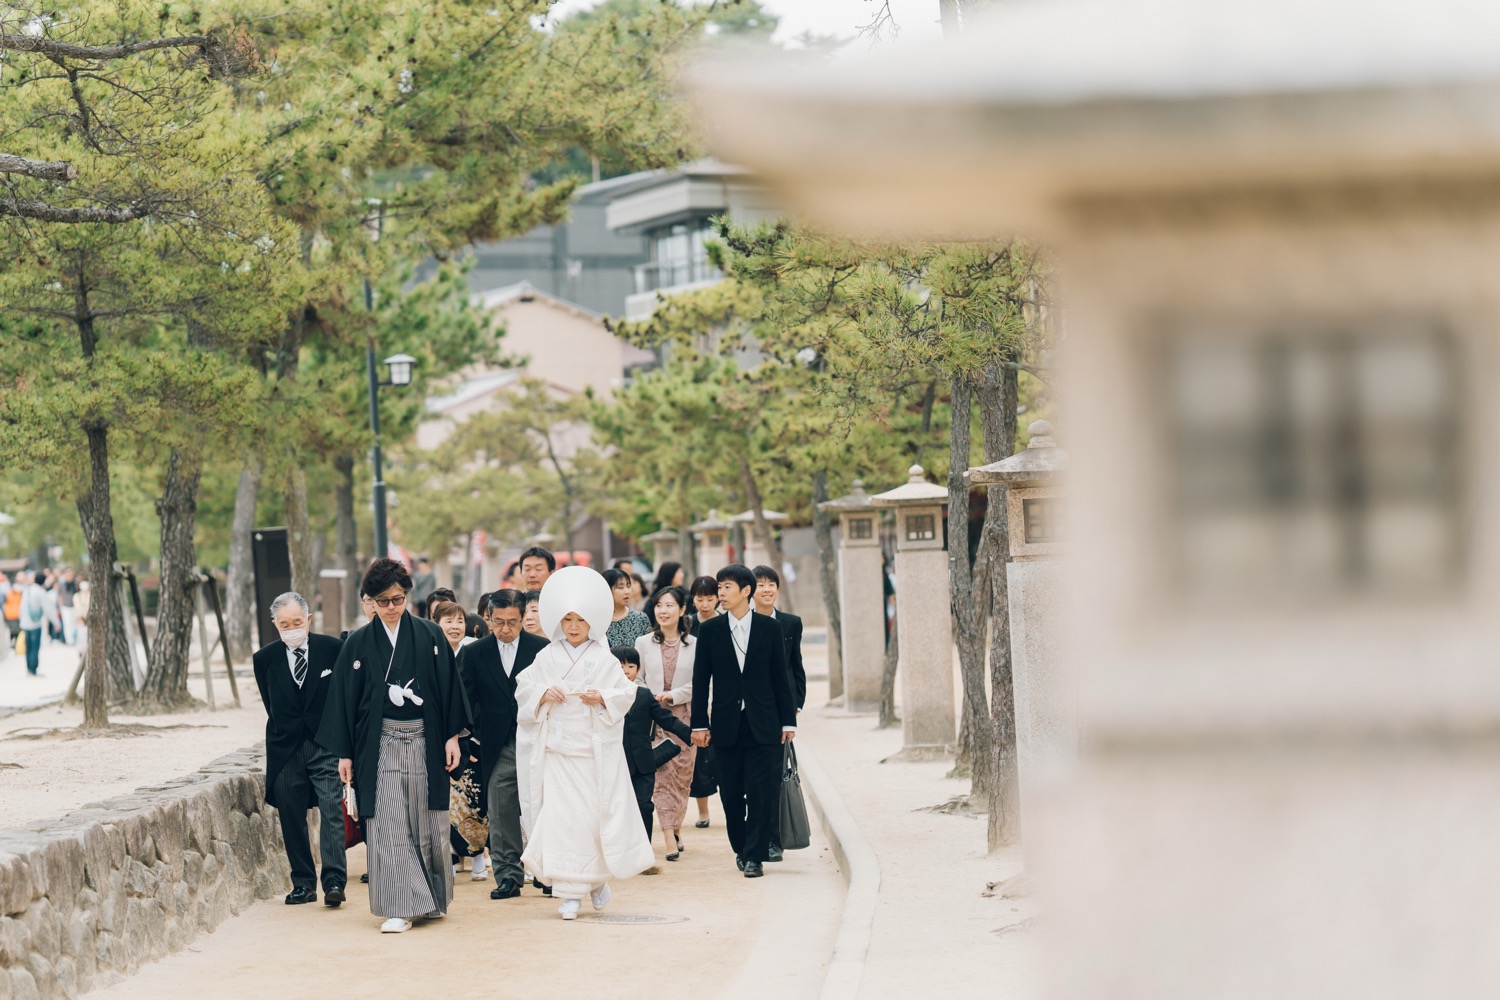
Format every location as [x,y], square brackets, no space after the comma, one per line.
[293,676]
[740,670]
[488,669]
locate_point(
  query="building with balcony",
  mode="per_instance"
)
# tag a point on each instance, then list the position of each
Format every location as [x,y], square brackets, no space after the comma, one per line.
[670,210]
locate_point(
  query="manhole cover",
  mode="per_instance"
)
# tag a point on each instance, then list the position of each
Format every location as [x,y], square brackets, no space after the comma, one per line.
[636,918]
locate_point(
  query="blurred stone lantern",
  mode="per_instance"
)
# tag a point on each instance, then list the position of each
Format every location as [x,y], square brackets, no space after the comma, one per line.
[712,537]
[925,632]
[861,599]
[1276,223]
[1046,730]
[755,552]
[665,547]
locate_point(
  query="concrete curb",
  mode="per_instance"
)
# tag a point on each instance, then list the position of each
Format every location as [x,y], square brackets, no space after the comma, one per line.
[861,871]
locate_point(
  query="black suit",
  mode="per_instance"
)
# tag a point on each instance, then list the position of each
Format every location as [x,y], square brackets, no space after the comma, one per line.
[491,695]
[750,709]
[301,775]
[791,629]
[640,755]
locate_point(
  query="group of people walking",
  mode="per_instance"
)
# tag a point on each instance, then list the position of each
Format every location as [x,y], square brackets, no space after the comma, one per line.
[533,743]
[41,602]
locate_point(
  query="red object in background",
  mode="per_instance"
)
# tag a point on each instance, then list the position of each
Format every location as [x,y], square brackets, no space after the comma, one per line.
[582,558]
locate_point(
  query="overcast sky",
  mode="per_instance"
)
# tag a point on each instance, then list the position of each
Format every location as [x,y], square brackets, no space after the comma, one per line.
[843,18]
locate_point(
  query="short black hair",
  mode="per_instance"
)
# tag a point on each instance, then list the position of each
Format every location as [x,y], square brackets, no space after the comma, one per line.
[481,607]
[508,598]
[704,586]
[381,575]
[538,552]
[532,596]
[626,654]
[441,594]
[613,576]
[767,573]
[665,574]
[739,574]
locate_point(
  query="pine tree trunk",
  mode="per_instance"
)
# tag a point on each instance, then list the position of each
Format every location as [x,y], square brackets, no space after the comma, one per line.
[975,746]
[763,533]
[177,508]
[828,574]
[299,538]
[239,590]
[99,535]
[997,414]
[120,685]
[346,535]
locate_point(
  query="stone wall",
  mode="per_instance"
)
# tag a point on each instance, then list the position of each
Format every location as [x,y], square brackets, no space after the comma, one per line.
[90,897]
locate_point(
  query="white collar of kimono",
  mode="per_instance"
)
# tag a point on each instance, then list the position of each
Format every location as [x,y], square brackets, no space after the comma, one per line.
[390,632]
[577,589]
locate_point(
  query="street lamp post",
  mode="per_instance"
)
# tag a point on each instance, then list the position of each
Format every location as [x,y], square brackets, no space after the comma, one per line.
[400,366]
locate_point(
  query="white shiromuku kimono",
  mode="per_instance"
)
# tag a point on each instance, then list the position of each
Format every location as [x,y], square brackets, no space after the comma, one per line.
[584,823]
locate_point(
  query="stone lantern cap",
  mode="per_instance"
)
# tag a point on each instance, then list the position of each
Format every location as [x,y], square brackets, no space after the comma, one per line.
[855,500]
[663,535]
[1041,462]
[711,523]
[1098,95]
[748,517]
[917,492]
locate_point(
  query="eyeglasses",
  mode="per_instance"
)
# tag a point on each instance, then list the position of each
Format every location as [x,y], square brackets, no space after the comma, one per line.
[390,602]
[505,622]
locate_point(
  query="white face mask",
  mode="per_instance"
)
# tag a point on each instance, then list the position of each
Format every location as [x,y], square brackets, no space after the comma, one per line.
[294,638]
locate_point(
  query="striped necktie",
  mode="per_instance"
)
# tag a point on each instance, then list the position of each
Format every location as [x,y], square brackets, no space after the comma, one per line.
[299,666]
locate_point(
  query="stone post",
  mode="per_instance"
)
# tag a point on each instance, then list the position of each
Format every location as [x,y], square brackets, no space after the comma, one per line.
[861,598]
[755,554]
[1046,733]
[331,583]
[925,633]
[712,535]
[664,547]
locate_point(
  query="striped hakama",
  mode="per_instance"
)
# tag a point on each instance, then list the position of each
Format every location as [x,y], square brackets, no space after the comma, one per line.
[410,875]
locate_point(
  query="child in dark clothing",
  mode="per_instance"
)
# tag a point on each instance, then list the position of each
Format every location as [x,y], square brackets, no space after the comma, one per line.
[642,758]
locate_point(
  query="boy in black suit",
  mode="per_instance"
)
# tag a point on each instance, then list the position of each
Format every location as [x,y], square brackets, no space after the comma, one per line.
[767,589]
[642,757]
[293,674]
[740,668]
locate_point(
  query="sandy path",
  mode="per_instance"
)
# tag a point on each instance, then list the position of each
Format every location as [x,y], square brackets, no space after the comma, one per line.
[698,928]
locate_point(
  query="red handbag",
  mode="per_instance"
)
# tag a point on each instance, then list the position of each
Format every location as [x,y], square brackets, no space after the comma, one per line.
[354,831]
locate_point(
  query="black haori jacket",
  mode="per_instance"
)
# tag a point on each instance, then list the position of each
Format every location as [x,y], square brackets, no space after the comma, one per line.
[356,703]
[293,714]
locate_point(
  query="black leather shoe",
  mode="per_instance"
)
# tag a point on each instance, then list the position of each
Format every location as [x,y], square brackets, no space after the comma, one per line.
[702,824]
[774,854]
[334,895]
[739,862]
[505,890]
[546,889]
[365,878]
[753,869]
[300,895]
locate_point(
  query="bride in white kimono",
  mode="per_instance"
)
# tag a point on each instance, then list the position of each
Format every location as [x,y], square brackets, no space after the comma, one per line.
[585,824]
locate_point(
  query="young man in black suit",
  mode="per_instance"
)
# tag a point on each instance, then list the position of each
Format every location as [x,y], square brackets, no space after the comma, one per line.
[767,589]
[293,674]
[488,669]
[741,660]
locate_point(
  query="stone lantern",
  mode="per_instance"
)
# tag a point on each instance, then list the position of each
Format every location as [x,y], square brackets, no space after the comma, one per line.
[925,633]
[1046,730]
[861,599]
[712,537]
[755,555]
[1275,223]
[665,546]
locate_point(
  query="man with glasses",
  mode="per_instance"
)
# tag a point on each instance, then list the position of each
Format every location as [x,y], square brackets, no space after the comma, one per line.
[488,669]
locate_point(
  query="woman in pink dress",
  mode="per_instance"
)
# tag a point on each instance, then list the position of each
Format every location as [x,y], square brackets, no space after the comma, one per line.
[667,669]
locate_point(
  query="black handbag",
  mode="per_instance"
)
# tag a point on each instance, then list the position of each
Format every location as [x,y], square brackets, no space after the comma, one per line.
[795,831]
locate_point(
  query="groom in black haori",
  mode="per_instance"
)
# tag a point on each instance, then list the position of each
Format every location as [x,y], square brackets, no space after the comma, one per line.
[393,719]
